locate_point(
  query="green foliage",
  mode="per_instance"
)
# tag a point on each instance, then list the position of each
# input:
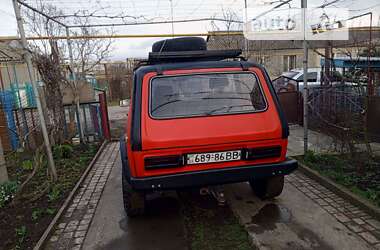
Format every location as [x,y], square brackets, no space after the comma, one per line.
[27,165]
[36,214]
[64,151]
[7,192]
[21,233]
[50,211]
[311,157]
[341,169]
[55,193]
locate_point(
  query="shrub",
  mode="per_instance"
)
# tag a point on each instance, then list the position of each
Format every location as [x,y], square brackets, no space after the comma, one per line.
[55,193]
[63,151]
[27,165]
[7,192]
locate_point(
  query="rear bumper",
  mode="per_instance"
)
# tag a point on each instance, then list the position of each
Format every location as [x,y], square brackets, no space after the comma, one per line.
[213,177]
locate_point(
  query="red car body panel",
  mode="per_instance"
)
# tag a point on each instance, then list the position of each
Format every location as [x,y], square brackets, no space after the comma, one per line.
[215,133]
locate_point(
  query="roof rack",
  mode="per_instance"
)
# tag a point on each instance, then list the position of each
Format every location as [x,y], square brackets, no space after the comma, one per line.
[195,55]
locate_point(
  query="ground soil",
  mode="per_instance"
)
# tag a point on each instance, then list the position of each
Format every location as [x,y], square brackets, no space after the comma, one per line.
[23,221]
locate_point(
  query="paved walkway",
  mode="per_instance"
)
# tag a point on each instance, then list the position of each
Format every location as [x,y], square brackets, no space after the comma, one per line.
[306,216]
[73,226]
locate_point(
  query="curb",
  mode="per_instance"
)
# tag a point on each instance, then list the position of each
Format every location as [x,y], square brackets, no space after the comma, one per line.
[52,224]
[342,191]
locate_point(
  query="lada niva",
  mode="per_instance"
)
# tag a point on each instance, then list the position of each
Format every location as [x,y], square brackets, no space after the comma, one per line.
[200,118]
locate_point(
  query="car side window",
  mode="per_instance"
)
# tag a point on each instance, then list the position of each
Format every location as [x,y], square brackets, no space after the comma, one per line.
[311,77]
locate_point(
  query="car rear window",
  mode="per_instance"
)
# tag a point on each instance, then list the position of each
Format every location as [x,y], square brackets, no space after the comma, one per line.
[205,95]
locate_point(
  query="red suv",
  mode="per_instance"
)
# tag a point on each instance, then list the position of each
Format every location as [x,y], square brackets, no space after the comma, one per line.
[200,118]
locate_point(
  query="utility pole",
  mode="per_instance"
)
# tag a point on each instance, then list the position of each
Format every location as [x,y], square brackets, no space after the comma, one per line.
[246,43]
[305,72]
[77,100]
[28,59]
[172,15]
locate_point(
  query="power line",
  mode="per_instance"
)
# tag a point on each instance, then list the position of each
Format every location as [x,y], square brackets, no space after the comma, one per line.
[40,12]
[153,23]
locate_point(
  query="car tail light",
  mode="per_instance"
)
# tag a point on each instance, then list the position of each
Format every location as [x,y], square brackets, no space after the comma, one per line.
[261,153]
[163,162]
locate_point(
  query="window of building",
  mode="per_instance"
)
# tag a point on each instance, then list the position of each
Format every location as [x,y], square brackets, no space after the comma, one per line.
[290,62]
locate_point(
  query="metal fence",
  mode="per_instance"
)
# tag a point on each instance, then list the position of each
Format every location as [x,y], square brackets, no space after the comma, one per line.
[343,110]
[20,125]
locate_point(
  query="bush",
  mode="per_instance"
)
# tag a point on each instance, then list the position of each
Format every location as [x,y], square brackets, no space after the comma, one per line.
[64,151]
[7,192]
[27,165]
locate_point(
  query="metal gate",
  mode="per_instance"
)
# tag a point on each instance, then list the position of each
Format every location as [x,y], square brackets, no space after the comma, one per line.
[290,103]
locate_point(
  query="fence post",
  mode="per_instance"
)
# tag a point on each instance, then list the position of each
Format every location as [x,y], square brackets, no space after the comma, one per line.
[104,116]
[3,166]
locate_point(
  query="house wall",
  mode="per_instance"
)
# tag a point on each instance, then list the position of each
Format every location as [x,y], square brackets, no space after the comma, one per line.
[15,72]
[273,60]
[86,93]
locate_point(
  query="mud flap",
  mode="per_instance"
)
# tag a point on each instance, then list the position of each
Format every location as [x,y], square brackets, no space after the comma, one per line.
[124,158]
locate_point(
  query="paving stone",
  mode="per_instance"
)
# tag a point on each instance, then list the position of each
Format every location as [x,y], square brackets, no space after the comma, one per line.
[78,240]
[358,221]
[85,222]
[369,237]
[354,227]
[73,223]
[329,200]
[70,228]
[321,202]
[54,238]
[68,215]
[330,209]
[374,223]
[341,217]
[67,235]
[88,216]
[82,227]
[80,234]
[77,247]
[61,225]
[58,231]
[369,227]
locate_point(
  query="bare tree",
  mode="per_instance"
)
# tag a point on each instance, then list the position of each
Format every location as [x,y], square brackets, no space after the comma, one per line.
[47,59]
[50,54]
[229,25]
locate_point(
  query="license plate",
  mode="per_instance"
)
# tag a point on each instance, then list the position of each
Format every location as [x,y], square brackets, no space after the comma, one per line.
[214,157]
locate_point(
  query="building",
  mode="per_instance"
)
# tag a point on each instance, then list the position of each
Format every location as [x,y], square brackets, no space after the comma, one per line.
[279,56]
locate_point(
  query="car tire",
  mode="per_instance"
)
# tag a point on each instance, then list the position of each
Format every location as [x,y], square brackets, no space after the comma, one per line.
[134,201]
[268,188]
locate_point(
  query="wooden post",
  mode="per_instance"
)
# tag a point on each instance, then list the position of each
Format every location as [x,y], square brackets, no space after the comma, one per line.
[3,166]
[104,116]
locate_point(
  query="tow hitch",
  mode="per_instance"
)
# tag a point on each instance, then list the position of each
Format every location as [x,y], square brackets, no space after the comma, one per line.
[217,192]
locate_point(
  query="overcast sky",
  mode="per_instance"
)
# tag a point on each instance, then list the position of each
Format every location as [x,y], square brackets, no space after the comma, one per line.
[160,10]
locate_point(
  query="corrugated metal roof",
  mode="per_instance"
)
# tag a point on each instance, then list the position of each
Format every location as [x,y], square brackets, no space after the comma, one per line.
[9,54]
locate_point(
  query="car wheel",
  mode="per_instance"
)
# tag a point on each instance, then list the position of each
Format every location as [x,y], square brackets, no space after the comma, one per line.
[134,201]
[268,188]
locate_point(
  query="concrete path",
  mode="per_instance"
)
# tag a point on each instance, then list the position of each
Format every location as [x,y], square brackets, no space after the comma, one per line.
[305,216]
[161,229]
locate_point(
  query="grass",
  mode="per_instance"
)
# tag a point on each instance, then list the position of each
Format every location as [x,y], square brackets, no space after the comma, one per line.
[211,227]
[344,171]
